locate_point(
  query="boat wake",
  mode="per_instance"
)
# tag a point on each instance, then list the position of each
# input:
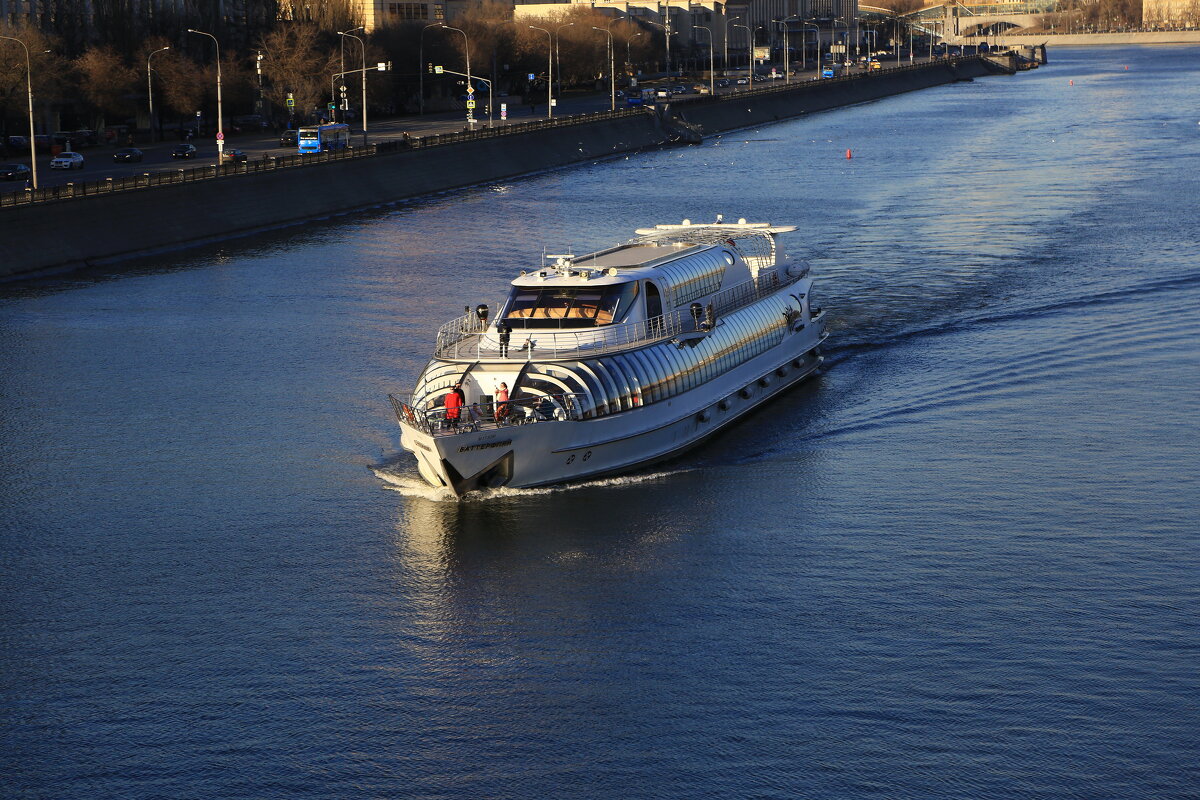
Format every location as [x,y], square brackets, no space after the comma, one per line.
[399,479]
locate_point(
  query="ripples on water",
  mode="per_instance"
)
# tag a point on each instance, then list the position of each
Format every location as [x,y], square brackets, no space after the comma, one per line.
[959,564]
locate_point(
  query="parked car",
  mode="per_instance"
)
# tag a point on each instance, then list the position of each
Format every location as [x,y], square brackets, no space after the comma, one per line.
[234,157]
[289,139]
[14,172]
[18,141]
[67,160]
[184,151]
[128,154]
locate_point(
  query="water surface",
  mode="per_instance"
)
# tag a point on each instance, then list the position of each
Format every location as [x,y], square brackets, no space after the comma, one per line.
[961,563]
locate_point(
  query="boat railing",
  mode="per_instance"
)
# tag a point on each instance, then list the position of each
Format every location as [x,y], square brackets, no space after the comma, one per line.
[528,410]
[467,337]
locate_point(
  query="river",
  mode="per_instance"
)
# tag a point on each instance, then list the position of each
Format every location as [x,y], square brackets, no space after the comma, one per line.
[960,563]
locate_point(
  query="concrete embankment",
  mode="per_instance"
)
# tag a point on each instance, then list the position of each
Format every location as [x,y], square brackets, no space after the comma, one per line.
[1094,39]
[78,232]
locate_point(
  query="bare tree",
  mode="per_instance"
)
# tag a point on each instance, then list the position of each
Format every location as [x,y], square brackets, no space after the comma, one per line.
[46,69]
[298,61]
[107,84]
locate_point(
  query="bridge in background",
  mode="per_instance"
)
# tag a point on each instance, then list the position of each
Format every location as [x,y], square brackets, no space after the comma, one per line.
[956,20]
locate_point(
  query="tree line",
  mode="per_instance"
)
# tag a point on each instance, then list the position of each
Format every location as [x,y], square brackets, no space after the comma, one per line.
[88,72]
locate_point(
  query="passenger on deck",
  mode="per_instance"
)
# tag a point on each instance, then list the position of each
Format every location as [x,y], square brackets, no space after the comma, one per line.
[545,408]
[454,402]
[501,401]
[505,331]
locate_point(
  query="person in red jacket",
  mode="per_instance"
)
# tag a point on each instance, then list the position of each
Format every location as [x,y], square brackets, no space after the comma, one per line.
[454,403]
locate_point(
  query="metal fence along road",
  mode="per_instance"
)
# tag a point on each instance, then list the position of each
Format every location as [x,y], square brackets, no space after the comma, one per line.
[170,177]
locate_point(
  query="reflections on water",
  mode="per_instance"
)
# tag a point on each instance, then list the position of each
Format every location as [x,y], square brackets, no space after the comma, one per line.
[959,563]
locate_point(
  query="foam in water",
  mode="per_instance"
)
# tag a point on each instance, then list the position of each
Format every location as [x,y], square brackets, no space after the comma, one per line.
[410,485]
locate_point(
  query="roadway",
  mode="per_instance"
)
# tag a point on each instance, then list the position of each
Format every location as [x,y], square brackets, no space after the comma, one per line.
[98,163]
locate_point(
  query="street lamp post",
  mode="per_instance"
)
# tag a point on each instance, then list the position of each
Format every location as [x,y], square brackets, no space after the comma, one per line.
[725,42]
[549,70]
[817,40]
[666,26]
[833,29]
[421,67]
[787,55]
[150,87]
[612,69]
[712,79]
[557,62]
[750,51]
[470,86]
[363,45]
[29,94]
[220,119]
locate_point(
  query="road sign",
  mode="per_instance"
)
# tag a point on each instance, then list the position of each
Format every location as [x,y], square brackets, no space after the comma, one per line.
[532,76]
[470,104]
[437,70]
[504,111]
[291,102]
[220,136]
[332,106]
[470,89]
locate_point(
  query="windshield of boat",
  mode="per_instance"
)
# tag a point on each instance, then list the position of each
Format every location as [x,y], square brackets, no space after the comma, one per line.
[569,307]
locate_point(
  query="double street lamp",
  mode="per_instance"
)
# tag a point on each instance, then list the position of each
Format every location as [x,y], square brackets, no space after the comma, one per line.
[220,125]
[29,93]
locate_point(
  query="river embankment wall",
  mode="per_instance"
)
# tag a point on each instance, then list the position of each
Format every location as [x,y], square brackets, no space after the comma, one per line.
[90,230]
[1090,39]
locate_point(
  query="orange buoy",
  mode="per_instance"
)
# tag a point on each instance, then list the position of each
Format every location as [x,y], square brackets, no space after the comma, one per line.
[1126,66]
[848,153]
[1070,83]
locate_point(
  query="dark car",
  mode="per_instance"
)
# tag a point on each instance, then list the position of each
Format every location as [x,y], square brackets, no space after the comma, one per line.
[234,156]
[128,154]
[14,172]
[289,139]
[184,151]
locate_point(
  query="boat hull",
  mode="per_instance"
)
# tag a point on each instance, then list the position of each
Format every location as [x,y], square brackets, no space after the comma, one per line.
[551,452]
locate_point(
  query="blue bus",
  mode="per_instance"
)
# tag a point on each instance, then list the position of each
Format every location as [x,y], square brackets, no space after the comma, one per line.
[320,138]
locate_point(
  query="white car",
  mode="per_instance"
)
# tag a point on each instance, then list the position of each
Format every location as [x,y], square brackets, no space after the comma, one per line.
[67,160]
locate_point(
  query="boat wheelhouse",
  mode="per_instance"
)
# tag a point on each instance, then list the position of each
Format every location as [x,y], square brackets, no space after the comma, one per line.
[601,363]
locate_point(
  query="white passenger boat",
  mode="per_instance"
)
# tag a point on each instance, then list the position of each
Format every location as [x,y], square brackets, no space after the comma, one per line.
[614,359]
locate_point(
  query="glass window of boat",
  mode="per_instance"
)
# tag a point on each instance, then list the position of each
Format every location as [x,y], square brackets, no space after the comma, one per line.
[569,307]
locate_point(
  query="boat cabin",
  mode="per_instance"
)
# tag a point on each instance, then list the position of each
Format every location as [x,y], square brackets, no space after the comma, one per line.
[623,284]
